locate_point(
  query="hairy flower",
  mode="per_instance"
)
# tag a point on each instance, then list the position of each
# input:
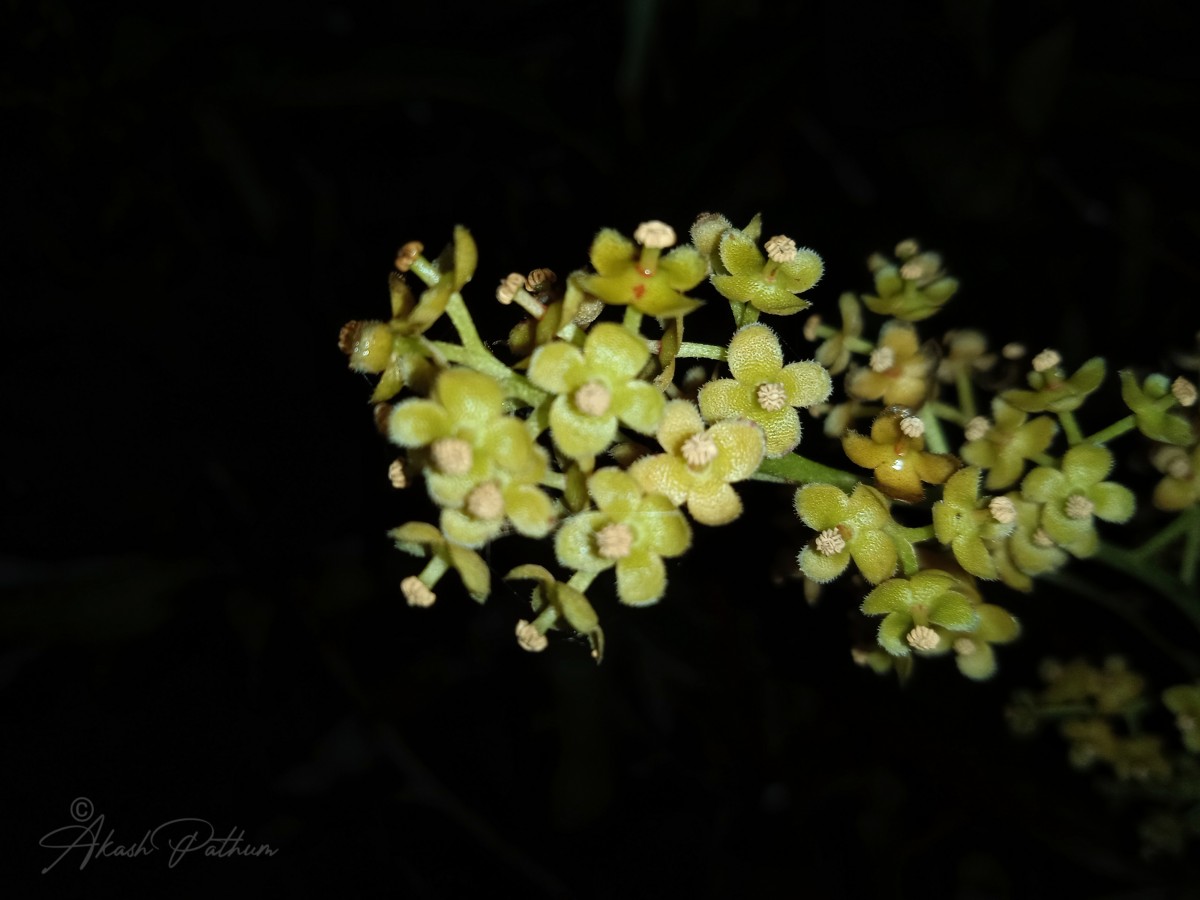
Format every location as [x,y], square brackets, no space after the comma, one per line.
[768,283]
[901,462]
[423,539]
[850,528]
[596,387]
[1150,403]
[1074,494]
[899,371]
[912,290]
[962,520]
[763,389]
[630,530]
[483,466]
[834,351]
[653,284]
[555,604]
[973,651]
[1005,446]
[1052,391]
[700,464]
[929,598]
[1180,488]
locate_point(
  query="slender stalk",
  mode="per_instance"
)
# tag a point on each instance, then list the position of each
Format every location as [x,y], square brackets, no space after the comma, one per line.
[434,569]
[1188,519]
[692,350]
[633,319]
[581,581]
[797,469]
[460,317]
[947,412]
[1191,555]
[1070,428]
[912,535]
[1116,429]
[935,438]
[966,394]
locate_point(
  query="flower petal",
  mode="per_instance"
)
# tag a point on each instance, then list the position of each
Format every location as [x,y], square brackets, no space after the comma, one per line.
[821,506]
[639,404]
[680,420]
[641,578]
[468,531]
[611,251]
[739,254]
[578,435]
[663,474]
[740,448]
[574,544]
[714,505]
[806,383]
[556,367]
[616,493]
[875,554]
[615,351]
[416,422]
[529,509]
[820,568]
[661,527]
[754,355]
[726,398]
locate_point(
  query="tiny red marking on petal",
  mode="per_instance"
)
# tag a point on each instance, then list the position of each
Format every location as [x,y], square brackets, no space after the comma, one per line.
[639,290]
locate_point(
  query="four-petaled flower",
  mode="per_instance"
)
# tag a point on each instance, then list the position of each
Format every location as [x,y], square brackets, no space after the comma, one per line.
[1052,390]
[899,459]
[421,538]
[962,521]
[913,290]
[834,352]
[898,371]
[596,387]
[913,608]
[631,530]
[1075,494]
[973,650]
[848,528]
[1150,403]
[1005,445]
[642,279]
[769,283]
[699,464]
[483,466]
[763,389]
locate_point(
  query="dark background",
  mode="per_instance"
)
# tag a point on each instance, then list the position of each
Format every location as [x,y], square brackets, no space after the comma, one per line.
[201,615]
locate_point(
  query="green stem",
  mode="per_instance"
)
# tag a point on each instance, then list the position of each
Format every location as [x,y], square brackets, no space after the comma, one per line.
[947,412]
[935,438]
[1070,428]
[633,319]
[1180,525]
[912,535]
[796,469]
[1044,459]
[907,554]
[1116,429]
[482,361]
[426,271]
[1191,554]
[581,581]
[966,394]
[460,317]
[556,481]
[853,344]
[434,569]
[693,350]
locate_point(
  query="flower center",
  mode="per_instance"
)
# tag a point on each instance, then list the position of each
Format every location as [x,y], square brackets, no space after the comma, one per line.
[486,501]
[771,396]
[1079,507]
[780,249]
[1003,510]
[416,592]
[452,456]
[922,638]
[829,542]
[699,450]
[912,426]
[977,429]
[882,359]
[593,399]
[614,540]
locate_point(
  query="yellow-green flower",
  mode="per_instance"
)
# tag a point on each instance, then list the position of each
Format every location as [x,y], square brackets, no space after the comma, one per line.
[763,389]
[1051,389]
[1180,488]
[596,387]
[1150,403]
[421,539]
[555,603]
[912,290]
[898,372]
[1075,494]
[848,528]
[627,276]
[834,351]
[973,649]
[1003,446]
[912,607]
[482,466]
[699,464]
[631,530]
[769,283]
[1027,550]
[968,526]
[896,451]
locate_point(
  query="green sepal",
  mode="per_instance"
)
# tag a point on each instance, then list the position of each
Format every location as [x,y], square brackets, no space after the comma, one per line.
[474,572]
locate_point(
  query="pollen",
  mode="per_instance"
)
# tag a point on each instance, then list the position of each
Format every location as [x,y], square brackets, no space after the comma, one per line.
[396,474]
[1003,510]
[614,540]
[771,396]
[699,450]
[829,542]
[977,428]
[780,248]
[923,638]
[1079,507]
[882,359]
[452,456]
[486,501]
[407,255]
[912,426]
[1046,360]
[1184,391]
[416,592]
[530,638]
[592,399]
[509,285]
[655,234]
[540,280]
